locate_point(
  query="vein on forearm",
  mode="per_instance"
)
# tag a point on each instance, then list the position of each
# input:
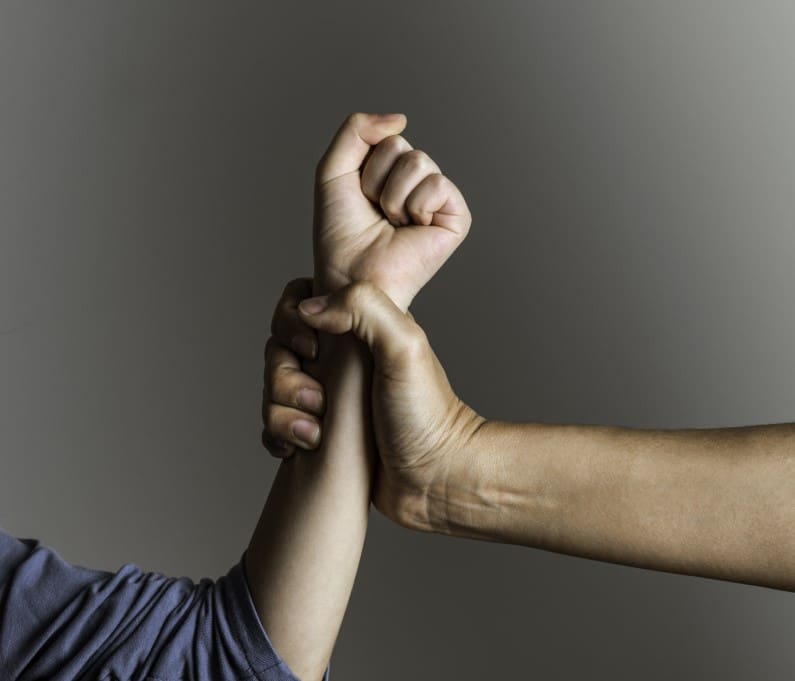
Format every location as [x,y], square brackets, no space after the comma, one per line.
[713,502]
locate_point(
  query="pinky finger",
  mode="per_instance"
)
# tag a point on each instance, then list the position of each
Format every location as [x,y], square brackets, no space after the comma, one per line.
[278,448]
[436,200]
[291,426]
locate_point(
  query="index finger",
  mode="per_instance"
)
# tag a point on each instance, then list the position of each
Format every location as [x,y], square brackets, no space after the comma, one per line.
[287,327]
[353,140]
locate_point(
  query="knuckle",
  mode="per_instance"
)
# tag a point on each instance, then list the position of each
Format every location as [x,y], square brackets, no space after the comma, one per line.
[275,445]
[394,143]
[370,187]
[415,342]
[269,442]
[416,159]
[296,287]
[267,436]
[271,384]
[289,286]
[437,181]
[279,313]
[279,333]
[291,396]
[357,294]
[355,120]
[281,324]
[281,384]
[411,347]
[392,207]
[353,296]
[269,418]
[416,204]
[286,389]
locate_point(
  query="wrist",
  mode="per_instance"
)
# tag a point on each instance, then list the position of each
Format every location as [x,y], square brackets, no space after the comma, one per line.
[337,356]
[328,279]
[452,501]
[513,485]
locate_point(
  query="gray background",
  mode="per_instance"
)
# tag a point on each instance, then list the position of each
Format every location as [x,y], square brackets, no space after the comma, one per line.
[630,171]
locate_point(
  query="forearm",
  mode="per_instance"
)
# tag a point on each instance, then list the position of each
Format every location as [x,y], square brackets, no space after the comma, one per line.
[305,551]
[715,502]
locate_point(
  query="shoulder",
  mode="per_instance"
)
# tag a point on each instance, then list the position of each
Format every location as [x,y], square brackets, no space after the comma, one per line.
[62,620]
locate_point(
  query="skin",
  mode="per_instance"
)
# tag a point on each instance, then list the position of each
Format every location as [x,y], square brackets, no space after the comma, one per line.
[715,503]
[382,210]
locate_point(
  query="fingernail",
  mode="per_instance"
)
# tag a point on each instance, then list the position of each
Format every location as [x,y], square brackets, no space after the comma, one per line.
[309,399]
[306,431]
[304,345]
[389,116]
[313,305]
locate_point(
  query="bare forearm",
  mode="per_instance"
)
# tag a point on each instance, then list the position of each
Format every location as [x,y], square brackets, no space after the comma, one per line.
[715,502]
[304,554]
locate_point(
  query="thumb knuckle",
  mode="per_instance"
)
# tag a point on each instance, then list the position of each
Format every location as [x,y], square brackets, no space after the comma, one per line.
[411,345]
[359,293]
[416,341]
[355,120]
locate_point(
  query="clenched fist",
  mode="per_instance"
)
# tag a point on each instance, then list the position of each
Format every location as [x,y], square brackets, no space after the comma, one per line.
[384,212]
[386,219]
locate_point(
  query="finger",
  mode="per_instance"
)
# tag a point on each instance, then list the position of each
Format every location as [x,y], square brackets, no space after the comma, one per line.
[353,140]
[287,385]
[277,448]
[380,163]
[409,170]
[436,200]
[295,288]
[286,325]
[291,426]
[370,314]
[288,359]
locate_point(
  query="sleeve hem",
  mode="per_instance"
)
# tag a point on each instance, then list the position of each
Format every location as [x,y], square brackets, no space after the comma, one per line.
[255,644]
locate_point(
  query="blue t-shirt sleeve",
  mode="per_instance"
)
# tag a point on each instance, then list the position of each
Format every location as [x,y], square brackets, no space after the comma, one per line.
[61,621]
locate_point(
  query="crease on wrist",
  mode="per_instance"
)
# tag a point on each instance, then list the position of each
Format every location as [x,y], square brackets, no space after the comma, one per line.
[453,509]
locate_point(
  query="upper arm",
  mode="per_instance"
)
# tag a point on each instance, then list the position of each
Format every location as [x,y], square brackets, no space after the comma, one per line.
[63,621]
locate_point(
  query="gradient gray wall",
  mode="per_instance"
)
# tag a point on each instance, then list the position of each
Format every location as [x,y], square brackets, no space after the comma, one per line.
[630,167]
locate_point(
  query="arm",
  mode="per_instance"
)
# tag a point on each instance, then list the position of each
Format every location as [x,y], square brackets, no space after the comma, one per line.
[714,503]
[305,551]
[62,620]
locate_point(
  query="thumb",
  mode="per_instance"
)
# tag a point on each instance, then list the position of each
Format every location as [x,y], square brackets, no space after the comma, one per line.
[353,140]
[365,310]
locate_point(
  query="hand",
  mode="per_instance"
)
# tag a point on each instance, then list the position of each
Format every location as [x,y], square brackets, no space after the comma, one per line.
[421,427]
[383,211]
[707,502]
[292,400]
